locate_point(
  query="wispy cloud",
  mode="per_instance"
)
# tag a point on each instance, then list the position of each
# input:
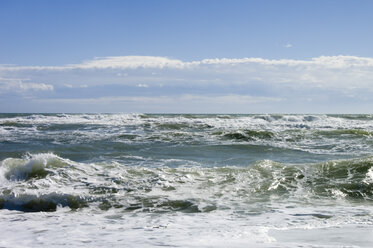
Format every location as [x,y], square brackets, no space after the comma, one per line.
[117,62]
[18,85]
[156,82]
[163,103]
[231,98]
[135,62]
[142,85]
[145,71]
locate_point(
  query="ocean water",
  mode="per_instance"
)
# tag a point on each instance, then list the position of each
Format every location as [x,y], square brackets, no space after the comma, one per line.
[140,180]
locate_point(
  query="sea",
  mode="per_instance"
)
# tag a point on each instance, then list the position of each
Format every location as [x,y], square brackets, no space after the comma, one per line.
[186,180]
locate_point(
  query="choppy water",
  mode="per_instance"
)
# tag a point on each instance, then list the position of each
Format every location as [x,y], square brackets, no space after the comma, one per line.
[139,180]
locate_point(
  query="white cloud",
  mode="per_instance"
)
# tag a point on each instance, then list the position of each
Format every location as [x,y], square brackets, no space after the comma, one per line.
[325,72]
[229,99]
[130,62]
[221,99]
[17,85]
[288,45]
[220,82]
[35,86]
[70,86]
[164,103]
[135,62]
[114,62]
[325,61]
[336,71]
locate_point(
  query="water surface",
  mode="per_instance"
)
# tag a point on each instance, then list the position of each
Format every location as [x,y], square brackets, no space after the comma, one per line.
[141,180]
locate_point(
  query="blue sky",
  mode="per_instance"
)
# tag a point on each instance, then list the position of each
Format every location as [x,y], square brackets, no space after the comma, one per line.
[186,56]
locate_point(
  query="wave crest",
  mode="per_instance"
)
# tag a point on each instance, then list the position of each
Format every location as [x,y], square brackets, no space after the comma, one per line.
[32,166]
[187,189]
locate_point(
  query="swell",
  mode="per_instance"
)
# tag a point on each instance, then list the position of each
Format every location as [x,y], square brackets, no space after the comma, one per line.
[246,135]
[350,132]
[41,203]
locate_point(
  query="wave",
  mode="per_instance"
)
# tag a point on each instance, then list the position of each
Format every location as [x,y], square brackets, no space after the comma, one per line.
[350,132]
[14,124]
[32,166]
[247,135]
[179,126]
[41,203]
[182,119]
[43,182]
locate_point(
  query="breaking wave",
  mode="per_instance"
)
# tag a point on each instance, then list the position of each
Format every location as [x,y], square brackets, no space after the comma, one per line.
[44,182]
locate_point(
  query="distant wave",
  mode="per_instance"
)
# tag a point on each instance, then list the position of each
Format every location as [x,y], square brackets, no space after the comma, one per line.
[347,135]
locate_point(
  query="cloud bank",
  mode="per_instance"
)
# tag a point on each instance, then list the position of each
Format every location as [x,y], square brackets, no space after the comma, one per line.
[322,84]
[135,62]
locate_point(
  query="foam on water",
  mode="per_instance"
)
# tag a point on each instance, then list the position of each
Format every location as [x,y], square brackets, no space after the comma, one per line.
[138,180]
[314,134]
[292,227]
[48,179]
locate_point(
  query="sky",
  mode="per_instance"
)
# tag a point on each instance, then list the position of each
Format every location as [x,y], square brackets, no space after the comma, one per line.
[186,56]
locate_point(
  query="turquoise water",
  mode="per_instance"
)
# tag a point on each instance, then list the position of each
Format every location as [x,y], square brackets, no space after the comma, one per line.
[143,180]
